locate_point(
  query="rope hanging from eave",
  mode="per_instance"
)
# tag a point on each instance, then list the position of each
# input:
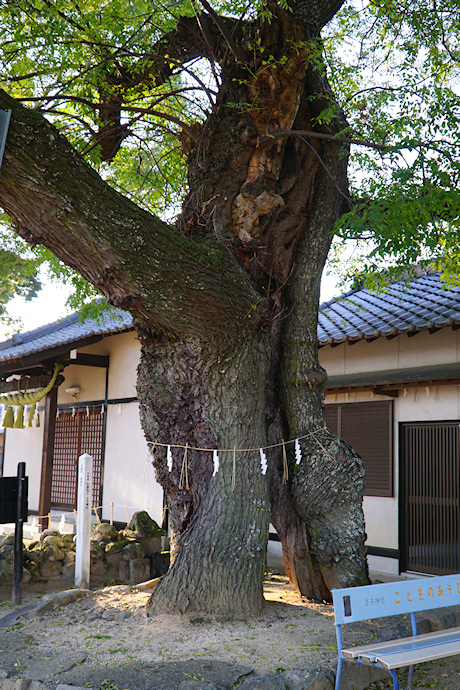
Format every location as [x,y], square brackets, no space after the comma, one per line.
[25,398]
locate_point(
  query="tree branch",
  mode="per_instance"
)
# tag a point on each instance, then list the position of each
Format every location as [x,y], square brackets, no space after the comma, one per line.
[137,261]
[238,53]
[322,135]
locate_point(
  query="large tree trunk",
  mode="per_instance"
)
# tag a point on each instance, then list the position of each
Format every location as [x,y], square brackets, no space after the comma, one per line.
[197,396]
[226,311]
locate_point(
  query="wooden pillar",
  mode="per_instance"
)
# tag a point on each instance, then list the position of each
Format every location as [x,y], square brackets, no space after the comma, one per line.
[47,457]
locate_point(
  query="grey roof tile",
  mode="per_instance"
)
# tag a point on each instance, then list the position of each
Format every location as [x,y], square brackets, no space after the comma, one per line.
[67,330]
[419,304]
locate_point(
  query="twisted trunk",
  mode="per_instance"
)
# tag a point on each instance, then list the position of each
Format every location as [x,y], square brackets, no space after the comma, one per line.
[192,395]
[225,307]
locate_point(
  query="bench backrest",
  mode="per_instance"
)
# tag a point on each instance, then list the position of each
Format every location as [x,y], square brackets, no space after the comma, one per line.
[392,598]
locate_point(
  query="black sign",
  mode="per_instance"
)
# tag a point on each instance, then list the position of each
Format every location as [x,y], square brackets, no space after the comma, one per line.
[9,499]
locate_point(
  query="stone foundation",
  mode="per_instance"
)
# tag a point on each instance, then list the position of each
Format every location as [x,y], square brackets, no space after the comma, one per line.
[128,556]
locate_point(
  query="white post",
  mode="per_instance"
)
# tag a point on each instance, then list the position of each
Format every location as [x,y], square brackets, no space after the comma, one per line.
[84,503]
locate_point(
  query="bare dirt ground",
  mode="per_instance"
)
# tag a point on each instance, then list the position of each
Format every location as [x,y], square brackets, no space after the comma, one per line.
[94,639]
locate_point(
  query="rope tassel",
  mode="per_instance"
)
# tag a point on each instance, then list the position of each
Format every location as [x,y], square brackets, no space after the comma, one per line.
[19,421]
[31,415]
[263,461]
[298,452]
[8,418]
[215,460]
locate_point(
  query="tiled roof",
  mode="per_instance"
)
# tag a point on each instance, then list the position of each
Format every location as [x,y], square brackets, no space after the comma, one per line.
[420,304]
[67,330]
[423,303]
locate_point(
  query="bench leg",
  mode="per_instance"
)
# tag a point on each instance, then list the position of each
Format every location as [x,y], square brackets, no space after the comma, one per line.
[395,680]
[409,678]
[338,675]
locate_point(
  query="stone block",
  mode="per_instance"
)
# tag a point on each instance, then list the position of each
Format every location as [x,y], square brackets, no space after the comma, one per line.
[116,546]
[70,557]
[113,559]
[123,571]
[133,551]
[53,548]
[97,551]
[15,684]
[440,620]
[7,552]
[360,676]
[270,681]
[142,525]
[68,570]
[48,533]
[139,570]
[150,544]
[6,572]
[35,555]
[424,626]
[105,532]
[310,679]
[98,569]
[50,569]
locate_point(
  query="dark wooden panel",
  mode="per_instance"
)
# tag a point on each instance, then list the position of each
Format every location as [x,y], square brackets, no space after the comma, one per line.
[331,418]
[367,427]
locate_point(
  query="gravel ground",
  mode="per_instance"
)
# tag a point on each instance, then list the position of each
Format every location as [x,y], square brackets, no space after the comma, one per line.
[107,635]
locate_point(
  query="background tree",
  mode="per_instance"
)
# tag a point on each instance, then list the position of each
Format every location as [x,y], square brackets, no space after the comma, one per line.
[223,117]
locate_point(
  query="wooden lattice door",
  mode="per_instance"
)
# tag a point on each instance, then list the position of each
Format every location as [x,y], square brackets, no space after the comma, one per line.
[82,432]
[431,497]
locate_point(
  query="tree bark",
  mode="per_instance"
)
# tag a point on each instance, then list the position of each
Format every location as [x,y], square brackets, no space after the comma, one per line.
[212,402]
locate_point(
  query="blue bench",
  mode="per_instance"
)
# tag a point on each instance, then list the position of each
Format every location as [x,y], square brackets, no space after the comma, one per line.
[355,604]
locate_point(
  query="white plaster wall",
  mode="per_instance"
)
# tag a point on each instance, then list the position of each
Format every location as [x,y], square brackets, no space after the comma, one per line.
[423,349]
[381,515]
[91,381]
[332,359]
[379,355]
[429,404]
[128,474]
[124,352]
[25,445]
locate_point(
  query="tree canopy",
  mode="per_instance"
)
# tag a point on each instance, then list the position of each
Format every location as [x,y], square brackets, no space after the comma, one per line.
[131,94]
